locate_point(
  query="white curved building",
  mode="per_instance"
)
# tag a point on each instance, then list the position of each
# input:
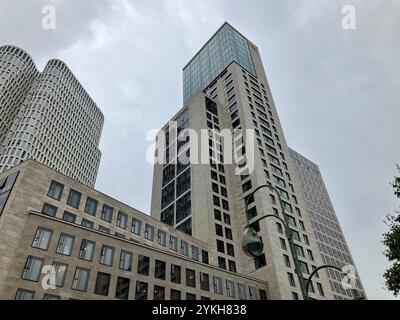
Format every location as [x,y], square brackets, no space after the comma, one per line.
[48,117]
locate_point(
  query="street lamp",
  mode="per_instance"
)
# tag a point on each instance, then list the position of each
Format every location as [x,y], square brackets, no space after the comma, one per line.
[253,245]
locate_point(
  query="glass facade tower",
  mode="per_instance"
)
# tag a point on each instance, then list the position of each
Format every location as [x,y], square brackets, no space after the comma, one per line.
[226,46]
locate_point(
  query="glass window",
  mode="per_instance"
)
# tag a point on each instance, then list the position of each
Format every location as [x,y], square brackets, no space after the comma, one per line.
[141,290]
[91,206]
[49,210]
[204,256]
[299,250]
[230,288]
[125,262]
[195,253]
[102,284]
[175,273]
[184,248]
[173,243]
[107,213]
[253,293]
[81,279]
[263,294]
[242,291]
[47,296]
[191,278]
[143,265]
[159,293]
[136,226]
[160,270]
[222,263]
[204,281]
[232,266]
[190,296]
[61,271]
[87,250]
[218,289]
[33,268]
[68,216]
[55,190]
[107,255]
[74,198]
[122,289]
[175,294]
[65,244]
[104,229]
[149,232]
[87,224]
[122,220]
[23,294]
[162,238]
[42,238]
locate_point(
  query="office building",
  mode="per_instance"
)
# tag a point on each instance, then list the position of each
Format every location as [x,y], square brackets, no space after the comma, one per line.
[47,116]
[60,239]
[328,233]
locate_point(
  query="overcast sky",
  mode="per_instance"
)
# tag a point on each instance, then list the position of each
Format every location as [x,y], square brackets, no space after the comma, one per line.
[336,90]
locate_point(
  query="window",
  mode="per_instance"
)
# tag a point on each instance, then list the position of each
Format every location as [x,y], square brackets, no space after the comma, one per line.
[23,294]
[42,238]
[184,248]
[175,273]
[217,215]
[190,296]
[91,206]
[122,289]
[306,240]
[295,296]
[286,260]
[283,244]
[191,278]
[220,246]
[218,289]
[228,234]
[87,250]
[204,256]
[159,293]
[136,226]
[61,271]
[279,228]
[55,190]
[221,263]
[219,230]
[102,284]
[263,294]
[310,255]
[230,288]
[107,213]
[107,255]
[122,220]
[230,250]
[68,216]
[104,229]
[49,210]
[149,232]
[65,244]
[74,198]
[304,267]
[204,281]
[242,291]
[232,266]
[302,225]
[162,238]
[299,250]
[260,262]
[33,268]
[143,265]
[195,253]
[125,262]
[160,270]
[320,289]
[87,223]
[175,294]
[173,243]
[141,290]
[81,279]
[227,218]
[291,279]
[253,293]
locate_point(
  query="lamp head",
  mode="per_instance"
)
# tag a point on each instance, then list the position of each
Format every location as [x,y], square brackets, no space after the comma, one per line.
[251,243]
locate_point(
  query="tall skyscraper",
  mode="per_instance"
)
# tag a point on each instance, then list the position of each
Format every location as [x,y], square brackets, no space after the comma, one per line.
[48,117]
[225,87]
[327,230]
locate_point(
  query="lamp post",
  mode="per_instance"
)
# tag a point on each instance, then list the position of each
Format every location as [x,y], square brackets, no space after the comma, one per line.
[253,245]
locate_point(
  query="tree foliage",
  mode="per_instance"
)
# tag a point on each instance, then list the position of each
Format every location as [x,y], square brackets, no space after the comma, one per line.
[391,240]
